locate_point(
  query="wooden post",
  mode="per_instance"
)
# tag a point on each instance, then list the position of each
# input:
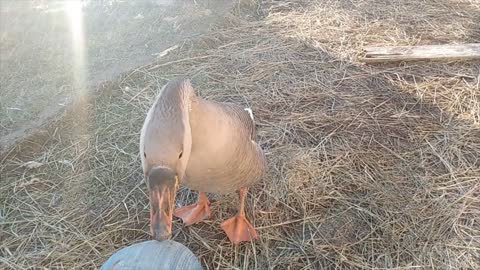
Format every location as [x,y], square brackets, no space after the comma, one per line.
[416,53]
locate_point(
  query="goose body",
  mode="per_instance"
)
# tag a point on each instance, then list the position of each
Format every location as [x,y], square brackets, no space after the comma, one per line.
[225,156]
[205,145]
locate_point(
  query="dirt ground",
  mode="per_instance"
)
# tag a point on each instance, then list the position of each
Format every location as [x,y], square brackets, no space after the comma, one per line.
[369,166]
[50,52]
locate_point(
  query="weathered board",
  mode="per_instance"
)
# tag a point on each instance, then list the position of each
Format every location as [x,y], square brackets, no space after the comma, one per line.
[427,52]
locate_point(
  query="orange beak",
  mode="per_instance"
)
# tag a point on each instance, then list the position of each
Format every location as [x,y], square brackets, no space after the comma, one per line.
[162,199]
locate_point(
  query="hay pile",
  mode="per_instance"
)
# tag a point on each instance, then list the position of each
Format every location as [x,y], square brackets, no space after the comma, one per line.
[369,167]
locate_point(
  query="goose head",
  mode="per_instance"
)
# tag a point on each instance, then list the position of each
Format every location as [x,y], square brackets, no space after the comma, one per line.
[166,149]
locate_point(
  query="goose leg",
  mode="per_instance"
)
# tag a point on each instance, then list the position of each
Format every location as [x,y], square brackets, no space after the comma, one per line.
[194,213]
[238,228]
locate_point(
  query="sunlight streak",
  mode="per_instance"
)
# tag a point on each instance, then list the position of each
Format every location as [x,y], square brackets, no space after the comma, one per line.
[74,13]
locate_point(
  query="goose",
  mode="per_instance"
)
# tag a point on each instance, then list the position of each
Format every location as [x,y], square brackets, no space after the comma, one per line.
[204,145]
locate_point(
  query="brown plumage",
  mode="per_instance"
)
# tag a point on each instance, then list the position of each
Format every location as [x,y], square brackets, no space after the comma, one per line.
[207,146]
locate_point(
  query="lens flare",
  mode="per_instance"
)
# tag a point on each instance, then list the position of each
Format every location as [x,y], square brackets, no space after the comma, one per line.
[74,13]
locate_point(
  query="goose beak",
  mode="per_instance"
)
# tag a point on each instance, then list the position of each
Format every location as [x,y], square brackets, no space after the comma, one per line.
[162,199]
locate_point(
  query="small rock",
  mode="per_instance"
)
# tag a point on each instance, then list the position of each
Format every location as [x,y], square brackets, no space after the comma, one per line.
[66,162]
[33,164]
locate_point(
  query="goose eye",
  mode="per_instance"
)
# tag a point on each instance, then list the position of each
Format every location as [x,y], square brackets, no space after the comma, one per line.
[144,154]
[180,156]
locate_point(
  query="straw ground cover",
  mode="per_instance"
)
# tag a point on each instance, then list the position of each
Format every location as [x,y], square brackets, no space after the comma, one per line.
[42,62]
[369,166]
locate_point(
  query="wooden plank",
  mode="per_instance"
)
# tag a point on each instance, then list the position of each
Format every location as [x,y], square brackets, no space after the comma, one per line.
[416,53]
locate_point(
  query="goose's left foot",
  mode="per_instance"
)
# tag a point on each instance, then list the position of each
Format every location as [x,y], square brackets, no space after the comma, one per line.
[238,228]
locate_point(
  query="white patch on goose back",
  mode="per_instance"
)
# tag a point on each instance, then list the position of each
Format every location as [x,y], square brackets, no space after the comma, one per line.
[250,112]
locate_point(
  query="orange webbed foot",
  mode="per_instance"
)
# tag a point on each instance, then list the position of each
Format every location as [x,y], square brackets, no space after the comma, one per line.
[239,229]
[194,213]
